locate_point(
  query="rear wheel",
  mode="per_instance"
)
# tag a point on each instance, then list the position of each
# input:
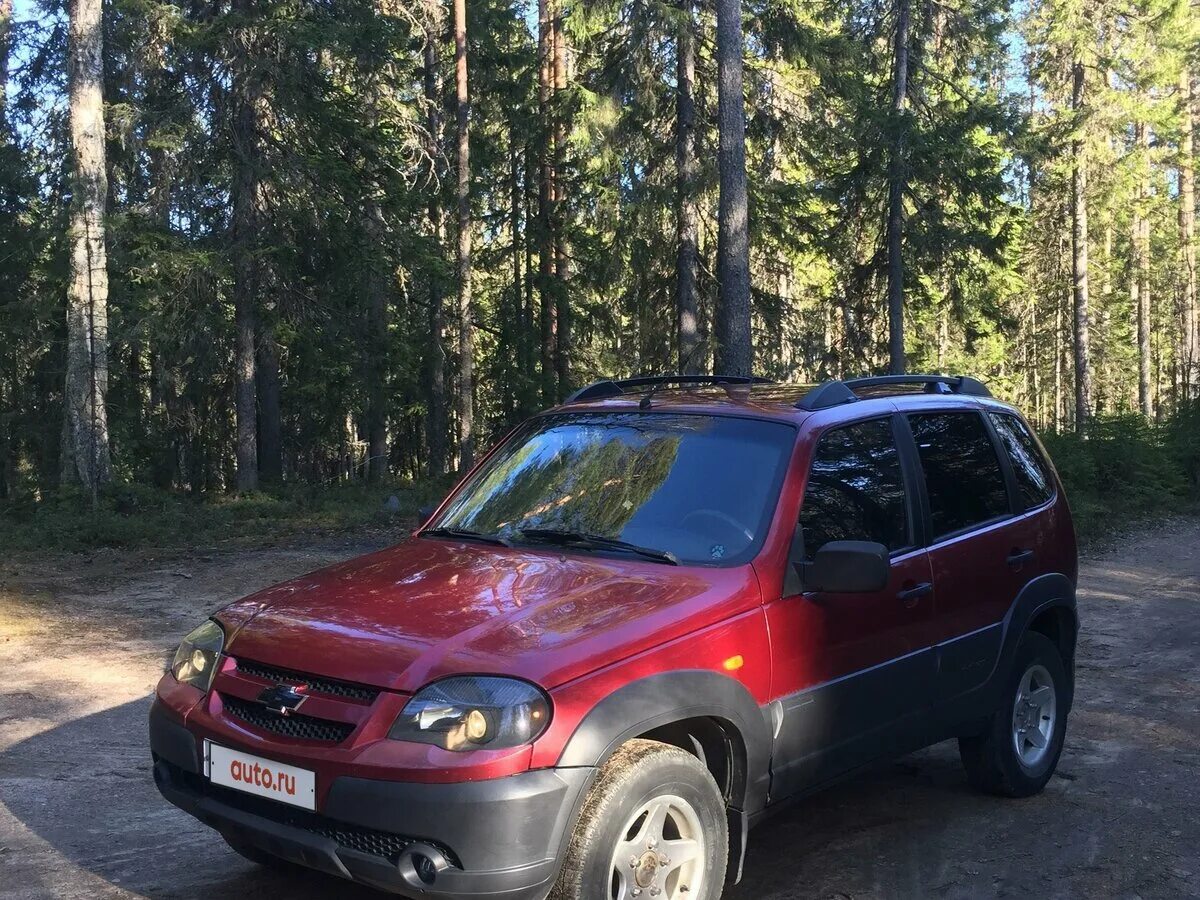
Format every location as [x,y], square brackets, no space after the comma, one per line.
[1018,752]
[653,827]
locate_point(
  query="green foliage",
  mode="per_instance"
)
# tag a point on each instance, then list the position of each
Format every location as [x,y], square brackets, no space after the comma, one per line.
[137,516]
[1126,470]
[351,177]
[1182,439]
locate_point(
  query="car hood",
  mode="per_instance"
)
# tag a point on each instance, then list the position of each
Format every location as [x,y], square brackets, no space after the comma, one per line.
[405,616]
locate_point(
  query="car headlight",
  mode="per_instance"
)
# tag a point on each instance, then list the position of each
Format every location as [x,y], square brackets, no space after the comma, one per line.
[472,712]
[196,659]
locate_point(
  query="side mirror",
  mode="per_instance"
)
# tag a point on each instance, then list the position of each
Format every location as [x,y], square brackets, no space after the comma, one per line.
[424,513]
[848,567]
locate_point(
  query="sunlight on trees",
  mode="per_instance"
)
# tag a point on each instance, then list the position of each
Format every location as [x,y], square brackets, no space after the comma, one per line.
[364,239]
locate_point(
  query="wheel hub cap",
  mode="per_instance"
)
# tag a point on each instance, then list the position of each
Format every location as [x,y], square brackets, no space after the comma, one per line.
[1035,714]
[647,869]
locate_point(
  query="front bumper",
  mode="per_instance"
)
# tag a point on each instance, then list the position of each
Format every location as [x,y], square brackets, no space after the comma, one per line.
[498,838]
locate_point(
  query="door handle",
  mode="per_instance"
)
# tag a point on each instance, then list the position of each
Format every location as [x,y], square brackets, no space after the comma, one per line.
[1019,557]
[913,594]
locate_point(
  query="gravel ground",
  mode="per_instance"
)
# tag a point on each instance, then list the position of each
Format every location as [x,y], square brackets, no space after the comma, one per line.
[82,642]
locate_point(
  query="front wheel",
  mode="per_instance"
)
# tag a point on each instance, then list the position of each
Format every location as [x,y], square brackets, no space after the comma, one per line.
[1017,754]
[653,827]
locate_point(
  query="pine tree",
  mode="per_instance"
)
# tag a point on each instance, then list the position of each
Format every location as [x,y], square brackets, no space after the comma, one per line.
[1079,256]
[734,350]
[897,177]
[1140,273]
[547,287]
[686,215]
[466,311]
[1190,337]
[436,421]
[86,448]
[6,13]
[248,221]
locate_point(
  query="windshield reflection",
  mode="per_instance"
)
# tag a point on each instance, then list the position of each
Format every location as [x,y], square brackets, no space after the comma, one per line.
[699,487]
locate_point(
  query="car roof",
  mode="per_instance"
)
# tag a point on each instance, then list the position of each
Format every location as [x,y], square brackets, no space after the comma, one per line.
[768,400]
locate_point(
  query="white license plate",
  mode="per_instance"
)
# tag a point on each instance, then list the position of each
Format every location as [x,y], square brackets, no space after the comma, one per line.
[264,777]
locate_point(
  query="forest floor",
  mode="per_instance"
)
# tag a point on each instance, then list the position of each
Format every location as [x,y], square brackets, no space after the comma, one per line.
[82,640]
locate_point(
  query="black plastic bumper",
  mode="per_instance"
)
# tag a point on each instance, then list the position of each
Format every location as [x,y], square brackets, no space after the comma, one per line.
[497,838]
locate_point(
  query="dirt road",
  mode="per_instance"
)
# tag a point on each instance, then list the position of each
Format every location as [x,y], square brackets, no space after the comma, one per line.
[82,641]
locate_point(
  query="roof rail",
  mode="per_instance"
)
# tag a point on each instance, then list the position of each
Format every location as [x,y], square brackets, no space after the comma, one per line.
[835,393]
[609,387]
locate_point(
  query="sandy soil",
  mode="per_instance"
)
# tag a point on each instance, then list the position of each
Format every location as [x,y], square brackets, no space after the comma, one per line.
[82,642]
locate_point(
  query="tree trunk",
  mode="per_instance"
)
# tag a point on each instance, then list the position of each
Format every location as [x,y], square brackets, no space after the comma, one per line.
[249,217]
[377,289]
[532,339]
[734,351]
[562,349]
[436,425]
[85,457]
[8,403]
[521,325]
[270,426]
[6,10]
[1079,262]
[546,194]
[1058,341]
[376,358]
[687,217]
[1187,239]
[1141,272]
[896,189]
[466,325]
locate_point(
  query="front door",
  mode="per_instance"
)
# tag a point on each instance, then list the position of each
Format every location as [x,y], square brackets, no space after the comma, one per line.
[853,672]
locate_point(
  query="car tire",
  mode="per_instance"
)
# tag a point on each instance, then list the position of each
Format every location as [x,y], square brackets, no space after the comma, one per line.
[1017,753]
[649,801]
[257,855]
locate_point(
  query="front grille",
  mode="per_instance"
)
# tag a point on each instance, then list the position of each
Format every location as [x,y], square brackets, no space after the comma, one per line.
[294,726]
[353,837]
[317,684]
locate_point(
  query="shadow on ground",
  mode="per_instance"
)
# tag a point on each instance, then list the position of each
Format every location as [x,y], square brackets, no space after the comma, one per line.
[84,789]
[80,818]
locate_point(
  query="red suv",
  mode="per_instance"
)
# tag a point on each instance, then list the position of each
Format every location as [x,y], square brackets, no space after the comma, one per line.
[648,619]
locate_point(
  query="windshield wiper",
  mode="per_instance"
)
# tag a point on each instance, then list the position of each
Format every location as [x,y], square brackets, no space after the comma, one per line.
[595,541]
[466,534]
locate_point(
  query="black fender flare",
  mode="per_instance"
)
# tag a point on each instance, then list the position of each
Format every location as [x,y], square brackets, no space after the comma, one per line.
[1053,590]
[657,700]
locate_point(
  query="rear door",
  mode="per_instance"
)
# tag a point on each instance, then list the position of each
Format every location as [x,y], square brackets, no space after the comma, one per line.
[853,671]
[982,549]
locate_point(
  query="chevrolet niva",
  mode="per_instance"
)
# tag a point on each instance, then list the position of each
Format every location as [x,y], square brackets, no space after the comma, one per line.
[647,620]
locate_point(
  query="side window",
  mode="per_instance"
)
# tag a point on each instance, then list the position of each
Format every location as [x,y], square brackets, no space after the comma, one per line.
[855,489]
[962,472]
[1033,475]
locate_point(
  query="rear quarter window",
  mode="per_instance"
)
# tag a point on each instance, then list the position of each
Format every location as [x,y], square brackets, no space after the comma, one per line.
[1032,472]
[963,477]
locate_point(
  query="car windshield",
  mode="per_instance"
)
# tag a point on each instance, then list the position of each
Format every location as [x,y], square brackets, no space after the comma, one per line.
[691,488]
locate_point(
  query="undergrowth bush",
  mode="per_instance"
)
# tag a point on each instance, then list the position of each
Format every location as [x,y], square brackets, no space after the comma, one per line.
[1126,470]
[130,515]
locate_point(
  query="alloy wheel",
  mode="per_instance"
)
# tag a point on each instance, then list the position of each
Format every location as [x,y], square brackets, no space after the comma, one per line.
[660,854]
[1035,713]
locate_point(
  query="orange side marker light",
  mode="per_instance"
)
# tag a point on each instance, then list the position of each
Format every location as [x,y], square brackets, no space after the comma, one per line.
[733,663]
